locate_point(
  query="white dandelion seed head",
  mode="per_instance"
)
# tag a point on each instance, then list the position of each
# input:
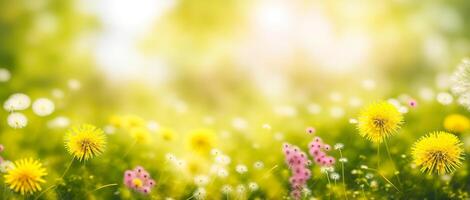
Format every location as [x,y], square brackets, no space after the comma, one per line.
[339,146]
[253,186]
[17,120]
[460,83]
[18,101]
[222,173]
[59,122]
[170,157]
[335,176]
[226,189]
[6,165]
[153,126]
[223,159]
[4,75]
[201,180]
[444,98]
[43,107]
[180,164]
[200,193]
[258,165]
[241,189]
[241,169]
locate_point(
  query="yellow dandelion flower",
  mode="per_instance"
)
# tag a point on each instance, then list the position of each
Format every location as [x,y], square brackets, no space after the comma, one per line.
[202,140]
[456,123]
[26,176]
[379,121]
[140,134]
[439,152]
[85,141]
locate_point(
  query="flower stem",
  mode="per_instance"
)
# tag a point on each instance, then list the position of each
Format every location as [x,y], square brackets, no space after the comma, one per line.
[342,172]
[394,166]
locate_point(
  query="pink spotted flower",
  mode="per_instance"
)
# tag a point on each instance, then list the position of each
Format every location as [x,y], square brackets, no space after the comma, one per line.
[318,150]
[297,162]
[139,180]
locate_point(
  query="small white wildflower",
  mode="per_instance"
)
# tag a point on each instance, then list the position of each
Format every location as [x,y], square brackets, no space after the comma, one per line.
[18,101]
[326,169]
[200,193]
[17,120]
[241,169]
[201,180]
[369,175]
[222,173]
[223,159]
[253,186]
[353,121]
[43,107]
[180,164]
[258,165]
[339,146]
[215,152]
[241,189]
[6,165]
[153,126]
[170,157]
[444,98]
[335,176]
[374,184]
[226,189]
[266,126]
[343,160]
[306,191]
[364,167]
[4,75]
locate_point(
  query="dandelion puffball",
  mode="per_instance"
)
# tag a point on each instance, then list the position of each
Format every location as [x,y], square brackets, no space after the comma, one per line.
[43,107]
[18,101]
[17,120]
[4,75]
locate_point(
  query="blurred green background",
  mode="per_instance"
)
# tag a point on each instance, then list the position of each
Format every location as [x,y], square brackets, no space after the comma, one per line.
[229,67]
